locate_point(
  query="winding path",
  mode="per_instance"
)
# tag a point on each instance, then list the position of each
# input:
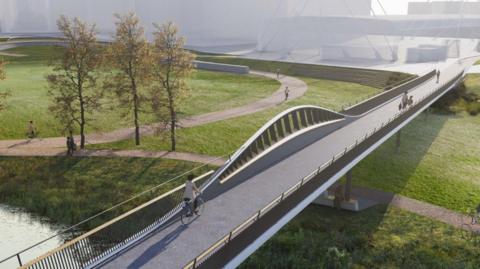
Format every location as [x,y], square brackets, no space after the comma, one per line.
[42,146]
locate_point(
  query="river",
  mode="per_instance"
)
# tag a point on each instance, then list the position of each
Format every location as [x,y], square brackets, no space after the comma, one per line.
[19,230]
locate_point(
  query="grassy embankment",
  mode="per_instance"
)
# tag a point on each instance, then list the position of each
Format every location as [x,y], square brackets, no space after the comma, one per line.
[67,190]
[211,91]
[379,237]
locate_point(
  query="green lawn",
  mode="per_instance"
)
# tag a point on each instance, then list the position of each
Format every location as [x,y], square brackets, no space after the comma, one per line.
[438,162]
[379,237]
[211,91]
[223,137]
[67,190]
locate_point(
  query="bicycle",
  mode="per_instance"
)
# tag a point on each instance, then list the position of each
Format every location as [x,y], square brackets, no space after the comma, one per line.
[188,214]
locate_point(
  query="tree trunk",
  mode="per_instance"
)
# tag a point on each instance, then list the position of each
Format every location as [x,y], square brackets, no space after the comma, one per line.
[82,136]
[173,123]
[82,116]
[135,113]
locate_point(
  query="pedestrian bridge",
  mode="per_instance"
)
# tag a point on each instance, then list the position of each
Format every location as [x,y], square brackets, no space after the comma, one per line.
[278,172]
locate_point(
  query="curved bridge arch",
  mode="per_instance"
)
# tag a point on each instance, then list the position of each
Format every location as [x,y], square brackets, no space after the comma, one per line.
[283,128]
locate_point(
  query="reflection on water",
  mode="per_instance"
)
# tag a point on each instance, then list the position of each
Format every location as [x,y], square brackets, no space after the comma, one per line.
[19,230]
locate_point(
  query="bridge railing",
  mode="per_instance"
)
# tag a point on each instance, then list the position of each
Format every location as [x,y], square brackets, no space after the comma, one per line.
[113,235]
[385,96]
[282,126]
[225,240]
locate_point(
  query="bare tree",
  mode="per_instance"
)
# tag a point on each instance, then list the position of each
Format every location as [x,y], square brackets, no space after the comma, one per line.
[129,56]
[73,83]
[172,65]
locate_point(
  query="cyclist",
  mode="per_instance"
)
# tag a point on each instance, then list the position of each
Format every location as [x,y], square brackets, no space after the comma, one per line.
[191,193]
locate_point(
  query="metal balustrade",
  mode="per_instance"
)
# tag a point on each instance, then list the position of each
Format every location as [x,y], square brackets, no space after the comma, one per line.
[104,240]
[386,96]
[200,259]
[282,126]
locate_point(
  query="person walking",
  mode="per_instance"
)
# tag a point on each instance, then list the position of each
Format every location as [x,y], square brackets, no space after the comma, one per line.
[31,130]
[278,73]
[287,93]
[438,76]
[69,147]
[73,146]
[405,100]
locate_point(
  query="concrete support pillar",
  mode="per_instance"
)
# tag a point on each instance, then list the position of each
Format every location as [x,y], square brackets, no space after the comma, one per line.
[399,139]
[348,187]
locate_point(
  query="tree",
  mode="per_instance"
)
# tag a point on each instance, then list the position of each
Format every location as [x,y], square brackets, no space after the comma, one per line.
[3,76]
[172,65]
[73,83]
[129,55]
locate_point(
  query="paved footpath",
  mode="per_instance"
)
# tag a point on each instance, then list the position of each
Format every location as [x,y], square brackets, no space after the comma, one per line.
[41,146]
[53,152]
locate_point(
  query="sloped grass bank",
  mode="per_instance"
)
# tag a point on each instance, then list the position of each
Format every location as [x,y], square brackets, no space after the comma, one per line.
[380,237]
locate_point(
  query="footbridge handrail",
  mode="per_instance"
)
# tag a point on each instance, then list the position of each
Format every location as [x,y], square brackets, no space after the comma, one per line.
[381,98]
[280,127]
[225,240]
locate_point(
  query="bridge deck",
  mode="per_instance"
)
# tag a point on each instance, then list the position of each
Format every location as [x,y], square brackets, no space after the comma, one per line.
[176,245]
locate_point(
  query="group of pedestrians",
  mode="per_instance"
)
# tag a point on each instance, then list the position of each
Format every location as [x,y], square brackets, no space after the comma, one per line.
[407,101]
[71,146]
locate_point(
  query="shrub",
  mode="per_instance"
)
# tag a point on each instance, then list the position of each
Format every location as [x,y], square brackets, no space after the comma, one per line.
[473,108]
[336,259]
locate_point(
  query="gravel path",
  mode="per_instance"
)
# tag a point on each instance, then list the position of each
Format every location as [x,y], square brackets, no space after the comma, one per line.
[38,147]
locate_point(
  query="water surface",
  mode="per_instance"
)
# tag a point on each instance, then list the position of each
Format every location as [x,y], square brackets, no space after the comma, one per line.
[19,230]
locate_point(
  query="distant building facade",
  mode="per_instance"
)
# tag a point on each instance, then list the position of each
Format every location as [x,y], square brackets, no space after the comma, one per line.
[203,22]
[444,8]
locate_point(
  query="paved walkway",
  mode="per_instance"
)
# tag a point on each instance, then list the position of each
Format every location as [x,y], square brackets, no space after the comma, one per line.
[36,146]
[52,152]
[418,207]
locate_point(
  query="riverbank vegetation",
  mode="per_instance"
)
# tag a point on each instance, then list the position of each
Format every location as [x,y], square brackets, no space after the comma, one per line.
[68,190]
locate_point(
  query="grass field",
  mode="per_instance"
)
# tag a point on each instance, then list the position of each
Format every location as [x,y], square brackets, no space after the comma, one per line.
[211,91]
[379,237]
[67,190]
[223,137]
[438,162]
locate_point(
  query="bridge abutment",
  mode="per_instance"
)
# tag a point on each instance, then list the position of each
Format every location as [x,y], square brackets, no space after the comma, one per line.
[348,201]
